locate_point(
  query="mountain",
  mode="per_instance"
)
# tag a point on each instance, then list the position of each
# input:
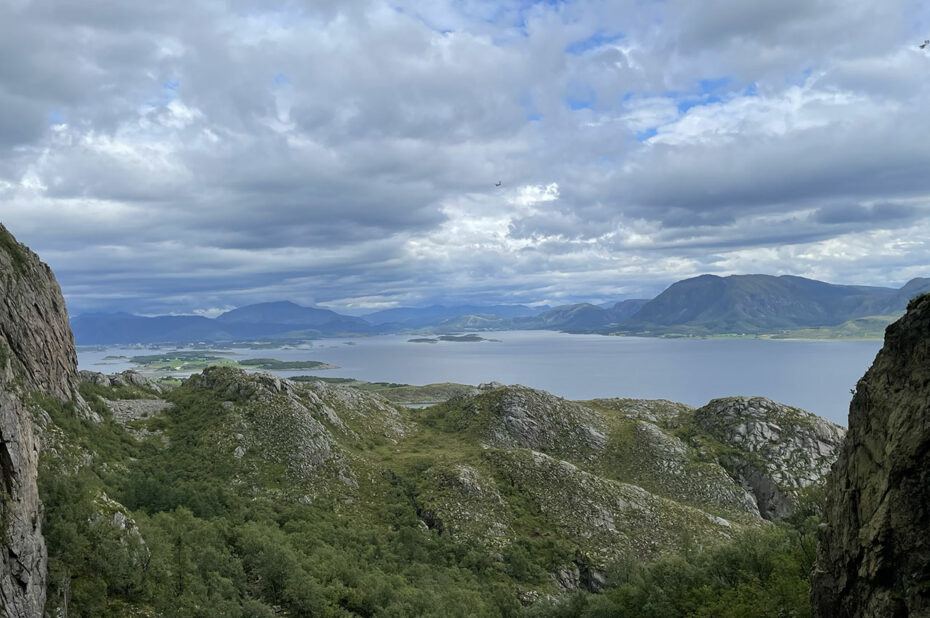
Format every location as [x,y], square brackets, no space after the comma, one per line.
[761,304]
[260,321]
[415,317]
[704,305]
[625,309]
[874,559]
[578,318]
[292,315]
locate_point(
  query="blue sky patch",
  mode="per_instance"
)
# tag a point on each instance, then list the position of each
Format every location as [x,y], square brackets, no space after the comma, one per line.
[579,102]
[598,39]
[642,136]
[709,86]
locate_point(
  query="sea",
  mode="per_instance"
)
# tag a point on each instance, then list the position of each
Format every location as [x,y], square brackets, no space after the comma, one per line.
[817,376]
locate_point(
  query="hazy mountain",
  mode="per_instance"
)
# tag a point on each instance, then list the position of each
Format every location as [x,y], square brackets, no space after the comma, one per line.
[291,314]
[264,320]
[427,316]
[704,305]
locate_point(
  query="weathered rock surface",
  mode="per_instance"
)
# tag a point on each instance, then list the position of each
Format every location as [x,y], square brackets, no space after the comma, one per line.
[608,519]
[127,410]
[775,450]
[874,557]
[36,356]
[518,416]
[465,504]
[125,378]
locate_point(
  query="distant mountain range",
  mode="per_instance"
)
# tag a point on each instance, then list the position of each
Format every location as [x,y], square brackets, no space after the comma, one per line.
[425,316]
[704,305]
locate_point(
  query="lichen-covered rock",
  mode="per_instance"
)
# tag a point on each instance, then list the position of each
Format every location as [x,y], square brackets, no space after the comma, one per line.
[369,414]
[774,450]
[127,410]
[606,518]
[656,411]
[311,428]
[125,378]
[665,465]
[517,416]
[458,500]
[874,557]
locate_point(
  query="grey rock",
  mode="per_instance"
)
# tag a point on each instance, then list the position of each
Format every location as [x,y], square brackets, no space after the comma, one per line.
[874,556]
[125,378]
[776,450]
[127,410]
[36,355]
[534,419]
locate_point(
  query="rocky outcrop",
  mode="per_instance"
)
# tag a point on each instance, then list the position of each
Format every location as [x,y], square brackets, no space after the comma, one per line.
[874,557]
[36,357]
[461,502]
[125,378]
[517,416]
[771,449]
[605,518]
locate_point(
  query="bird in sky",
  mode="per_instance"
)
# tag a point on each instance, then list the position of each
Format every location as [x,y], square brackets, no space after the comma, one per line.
[925,44]
[499,182]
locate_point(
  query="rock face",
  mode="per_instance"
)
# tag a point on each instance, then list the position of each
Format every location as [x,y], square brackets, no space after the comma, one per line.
[874,555]
[36,356]
[776,450]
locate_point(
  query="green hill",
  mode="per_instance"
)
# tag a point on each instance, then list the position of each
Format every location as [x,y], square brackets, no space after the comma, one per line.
[762,304]
[243,494]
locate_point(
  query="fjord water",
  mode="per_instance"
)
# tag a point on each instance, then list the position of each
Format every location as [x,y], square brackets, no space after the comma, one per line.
[814,375]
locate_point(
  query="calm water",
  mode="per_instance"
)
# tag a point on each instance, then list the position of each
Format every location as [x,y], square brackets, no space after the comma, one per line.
[814,375]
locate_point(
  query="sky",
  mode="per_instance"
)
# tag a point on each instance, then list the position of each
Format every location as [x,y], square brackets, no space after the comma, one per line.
[190,157]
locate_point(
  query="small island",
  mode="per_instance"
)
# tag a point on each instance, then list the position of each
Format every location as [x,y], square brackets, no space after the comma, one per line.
[470,338]
[279,365]
[192,361]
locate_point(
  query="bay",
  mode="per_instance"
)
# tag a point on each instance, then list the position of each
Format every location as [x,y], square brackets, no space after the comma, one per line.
[813,375]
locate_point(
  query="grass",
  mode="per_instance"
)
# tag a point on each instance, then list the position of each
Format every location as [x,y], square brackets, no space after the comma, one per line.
[18,255]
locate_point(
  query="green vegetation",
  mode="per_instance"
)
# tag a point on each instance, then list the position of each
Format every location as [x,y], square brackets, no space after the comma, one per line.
[470,338]
[18,255]
[191,361]
[867,328]
[326,379]
[179,361]
[761,573]
[278,365]
[167,521]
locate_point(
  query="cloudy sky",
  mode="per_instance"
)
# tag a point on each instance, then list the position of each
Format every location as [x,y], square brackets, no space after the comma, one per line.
[191,156]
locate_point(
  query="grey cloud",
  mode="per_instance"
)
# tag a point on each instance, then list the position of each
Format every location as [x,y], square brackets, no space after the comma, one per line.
[859,213]
[312,149]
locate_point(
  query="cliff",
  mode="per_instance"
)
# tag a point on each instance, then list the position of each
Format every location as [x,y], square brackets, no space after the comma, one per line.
[874,557]
[37,358]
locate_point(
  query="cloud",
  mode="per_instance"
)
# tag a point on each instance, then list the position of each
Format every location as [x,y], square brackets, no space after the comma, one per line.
[184,156]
